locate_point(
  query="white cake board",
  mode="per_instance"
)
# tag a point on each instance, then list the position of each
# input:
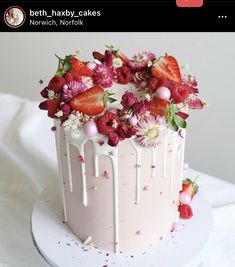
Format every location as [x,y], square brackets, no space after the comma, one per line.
[60,247]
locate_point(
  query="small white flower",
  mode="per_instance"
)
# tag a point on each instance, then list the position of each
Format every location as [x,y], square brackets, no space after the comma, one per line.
[117,62]
[74,123]
[51,94]
[59,113]
[150,63]
[147,97]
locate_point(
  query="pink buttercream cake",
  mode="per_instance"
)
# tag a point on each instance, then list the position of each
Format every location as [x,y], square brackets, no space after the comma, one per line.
[120,134]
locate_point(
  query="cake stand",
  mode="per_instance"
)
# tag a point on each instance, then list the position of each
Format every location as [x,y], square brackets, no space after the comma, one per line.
[184,247]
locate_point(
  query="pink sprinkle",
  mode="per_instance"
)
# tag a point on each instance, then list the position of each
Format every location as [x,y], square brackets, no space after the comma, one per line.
[138,232]
[115,243]
[146,188]
[161,237]
[173,201]
[101,142]
[136,203]
[81,159]
[160,193]
[105,174]
[53,129]
[105,266]
[153,166]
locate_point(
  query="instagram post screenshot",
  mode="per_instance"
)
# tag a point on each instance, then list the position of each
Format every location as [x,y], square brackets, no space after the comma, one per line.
[117,133]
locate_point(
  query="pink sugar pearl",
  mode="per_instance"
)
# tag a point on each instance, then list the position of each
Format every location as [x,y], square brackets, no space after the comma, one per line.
[185,198]
[113,110]
[163,93]
[133,121]
[90,128]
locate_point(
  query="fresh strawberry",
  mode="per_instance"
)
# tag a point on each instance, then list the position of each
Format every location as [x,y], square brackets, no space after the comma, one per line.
[167,67]
[190,187]
[185,211]
[72,76]
[159,107]
[52,106]
[107,123]
[154,84]
[56,84]
[80,67]
[123,58]
[90,102]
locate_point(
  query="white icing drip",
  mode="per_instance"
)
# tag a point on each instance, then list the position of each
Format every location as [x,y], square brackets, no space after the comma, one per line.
[179,151]
[164,158]
[153,167]
[114,160]
[61,181]
[87,240]
[83,169]
[173,164]
[138,150]
[69,167]
[96,163]
[182,162]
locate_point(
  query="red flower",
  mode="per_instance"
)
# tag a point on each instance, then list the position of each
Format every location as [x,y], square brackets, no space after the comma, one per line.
[125,130]
[141,107]
[128,100]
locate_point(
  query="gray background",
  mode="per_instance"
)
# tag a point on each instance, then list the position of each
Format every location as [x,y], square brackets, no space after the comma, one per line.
[28,57]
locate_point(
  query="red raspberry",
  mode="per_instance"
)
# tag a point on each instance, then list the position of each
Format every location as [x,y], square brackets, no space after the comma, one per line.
[106,123]
[52,106]
[113,139]
[43,105]
[179,93]
[56,84]
[44,92]
[124,75]
[185,211]
[72,76]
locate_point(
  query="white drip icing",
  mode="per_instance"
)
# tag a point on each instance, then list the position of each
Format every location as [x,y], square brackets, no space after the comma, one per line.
[164,165]
[173,163]
[69,167]
[59,158]
[83,169]
[114,160]
[153,167]
[182,162]
[138,150]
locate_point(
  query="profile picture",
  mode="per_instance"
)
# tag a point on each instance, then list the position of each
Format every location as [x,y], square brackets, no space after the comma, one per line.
[14,17]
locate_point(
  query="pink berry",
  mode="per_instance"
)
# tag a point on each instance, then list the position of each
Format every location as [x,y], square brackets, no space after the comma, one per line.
[185,198]
[113,110]
[91,65]
[90,128]
[133,121]
[163,93]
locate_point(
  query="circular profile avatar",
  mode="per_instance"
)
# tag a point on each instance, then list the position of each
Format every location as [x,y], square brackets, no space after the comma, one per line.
[14,16]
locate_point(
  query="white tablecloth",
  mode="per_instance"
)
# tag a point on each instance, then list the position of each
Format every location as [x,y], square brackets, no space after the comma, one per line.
[28,164]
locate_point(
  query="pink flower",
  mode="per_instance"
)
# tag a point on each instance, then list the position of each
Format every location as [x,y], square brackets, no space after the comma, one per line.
[72,89]
[104,75]
[113,139]
[151,131]
[140,61]
[196,103]
[128,100]
[65,108]
[141,107]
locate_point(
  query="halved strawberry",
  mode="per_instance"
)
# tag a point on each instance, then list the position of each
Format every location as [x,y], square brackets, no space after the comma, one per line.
[80,67]
[190,187]
[159,107]
[167,67]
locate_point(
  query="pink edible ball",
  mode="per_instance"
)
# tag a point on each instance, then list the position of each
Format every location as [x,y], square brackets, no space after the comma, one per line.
[185,198]
[91,65]
[113,110]
[90,128]
[163,93]
[133,121]
[65,87]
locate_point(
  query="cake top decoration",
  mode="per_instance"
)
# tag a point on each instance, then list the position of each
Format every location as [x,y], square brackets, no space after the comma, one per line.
[119,97]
